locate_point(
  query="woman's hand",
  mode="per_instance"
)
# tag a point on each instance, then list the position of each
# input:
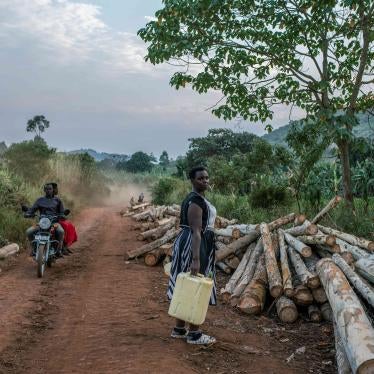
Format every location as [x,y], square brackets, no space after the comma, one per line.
[195,266]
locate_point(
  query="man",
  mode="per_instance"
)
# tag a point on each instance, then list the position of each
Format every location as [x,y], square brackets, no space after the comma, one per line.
[48,205]
[141,198]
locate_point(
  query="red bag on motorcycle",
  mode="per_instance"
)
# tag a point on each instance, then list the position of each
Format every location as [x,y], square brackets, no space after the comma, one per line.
[70,236]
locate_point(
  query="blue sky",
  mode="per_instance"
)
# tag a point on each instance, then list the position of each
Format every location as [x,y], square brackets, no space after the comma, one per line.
[80,63]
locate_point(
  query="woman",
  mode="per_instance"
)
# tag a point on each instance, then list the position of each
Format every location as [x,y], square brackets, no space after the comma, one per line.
[194,248]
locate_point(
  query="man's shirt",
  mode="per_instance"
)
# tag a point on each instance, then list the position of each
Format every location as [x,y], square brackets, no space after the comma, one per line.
[50,206]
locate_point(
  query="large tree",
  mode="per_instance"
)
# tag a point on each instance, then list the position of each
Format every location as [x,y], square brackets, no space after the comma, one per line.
[315,55]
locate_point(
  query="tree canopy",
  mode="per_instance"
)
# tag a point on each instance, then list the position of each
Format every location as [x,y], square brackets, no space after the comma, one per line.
[37,125]
[139,162]
[317,56]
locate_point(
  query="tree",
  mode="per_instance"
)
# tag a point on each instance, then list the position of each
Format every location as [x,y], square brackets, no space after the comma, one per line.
[29,159]
[37,125]
[164,160]
[139,162]
[315,55]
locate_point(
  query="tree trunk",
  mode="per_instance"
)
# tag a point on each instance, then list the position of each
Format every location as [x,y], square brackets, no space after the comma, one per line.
[299,219]
[164,221]
[307,228]
[306,277]
[322,251]
[220,246]
[353,325]
[157,232]
[299,246]
[348,258]
[356,252]
[152,258]
[171,211]
[319,295]
[342,361]
[274,277]
[140,206]
[351,239]
[326,312]
[222,266]
[224,239]
[329,240]
[303,296]
[365,291]
[331,205]
[145,226]
[343,146]
[167,248]
[314,313]
[222,222]
[230,285]
[365,267]
[248,273]
[170,235]
[232,262]
[237,244]
[286,273]
[281,221]
[253,298]
[286,310]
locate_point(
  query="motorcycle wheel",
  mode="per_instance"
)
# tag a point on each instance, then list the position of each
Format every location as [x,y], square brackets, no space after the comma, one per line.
[40,260]
[49,262]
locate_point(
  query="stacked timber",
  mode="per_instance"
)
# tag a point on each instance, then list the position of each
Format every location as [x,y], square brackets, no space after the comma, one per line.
[293,264]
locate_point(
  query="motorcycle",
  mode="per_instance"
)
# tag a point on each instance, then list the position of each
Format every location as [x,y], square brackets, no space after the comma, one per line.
[45,246]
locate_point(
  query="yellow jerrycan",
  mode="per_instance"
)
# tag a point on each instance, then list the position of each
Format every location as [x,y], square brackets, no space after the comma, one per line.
[191,298]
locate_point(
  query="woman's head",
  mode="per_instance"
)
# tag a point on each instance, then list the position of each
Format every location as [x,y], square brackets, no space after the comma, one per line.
[199,178]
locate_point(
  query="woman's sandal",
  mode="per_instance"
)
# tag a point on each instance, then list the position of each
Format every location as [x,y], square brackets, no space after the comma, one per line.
[179,333]
[200,338]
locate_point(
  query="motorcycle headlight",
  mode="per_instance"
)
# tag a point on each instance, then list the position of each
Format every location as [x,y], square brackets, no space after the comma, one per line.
[45,223]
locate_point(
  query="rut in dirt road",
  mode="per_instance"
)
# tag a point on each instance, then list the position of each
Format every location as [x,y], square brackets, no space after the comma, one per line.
[95,313]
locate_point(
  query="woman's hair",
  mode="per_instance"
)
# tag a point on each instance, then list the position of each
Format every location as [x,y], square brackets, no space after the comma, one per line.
[193,171]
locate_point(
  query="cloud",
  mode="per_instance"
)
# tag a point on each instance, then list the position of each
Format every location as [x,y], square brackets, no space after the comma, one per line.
[67,33]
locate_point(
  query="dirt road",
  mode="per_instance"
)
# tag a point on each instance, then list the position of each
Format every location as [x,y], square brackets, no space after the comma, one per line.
[95,313]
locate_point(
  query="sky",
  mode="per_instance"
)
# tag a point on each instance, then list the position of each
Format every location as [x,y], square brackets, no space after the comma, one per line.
[81,64]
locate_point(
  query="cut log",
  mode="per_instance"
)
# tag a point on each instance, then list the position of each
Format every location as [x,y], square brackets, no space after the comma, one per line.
[142,215]
[348,258]
[357,252]
[222,266]
[157,232]
[349,238]
[243,228]
[171,211]
[242,242]
[326,312]
[9,250]
[352,323]
[329,240]
[145,226]
[220,246]
[232,262]
[170,235]
[331,204]
[167,248]
[302,295]
[365,291]
[222,222]
[253,298]
[236,233]
[299,219]
[274,277]
[305,276]
[299,246]
[140,206]
[152,258]
[365,267]
[230,285]
[248,273]
[307,228]
[224,239]
[314,313]
[286,310]
[319,295]
[279,222]
[164,221]
[286,273]
[224,232]
[342,361]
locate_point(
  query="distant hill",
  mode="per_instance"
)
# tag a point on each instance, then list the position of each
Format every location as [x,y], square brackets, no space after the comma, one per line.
[100,156]
[365,130]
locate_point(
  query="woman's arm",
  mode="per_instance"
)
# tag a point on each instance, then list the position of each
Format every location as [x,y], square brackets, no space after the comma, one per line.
[195,221]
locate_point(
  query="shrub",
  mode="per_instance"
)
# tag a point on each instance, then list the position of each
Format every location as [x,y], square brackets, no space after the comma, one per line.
[266,193]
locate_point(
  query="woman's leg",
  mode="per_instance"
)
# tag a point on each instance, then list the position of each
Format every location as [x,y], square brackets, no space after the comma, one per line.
[179,331]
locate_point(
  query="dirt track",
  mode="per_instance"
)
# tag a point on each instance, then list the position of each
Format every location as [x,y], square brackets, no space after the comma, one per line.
[93,313]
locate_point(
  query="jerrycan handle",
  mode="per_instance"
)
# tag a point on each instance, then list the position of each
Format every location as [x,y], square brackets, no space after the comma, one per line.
[197,275]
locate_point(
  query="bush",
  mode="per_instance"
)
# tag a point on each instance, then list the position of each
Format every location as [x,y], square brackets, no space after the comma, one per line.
[169,190]
[267,193]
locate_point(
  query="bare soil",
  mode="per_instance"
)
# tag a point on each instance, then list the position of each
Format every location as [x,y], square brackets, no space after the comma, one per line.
[93,312]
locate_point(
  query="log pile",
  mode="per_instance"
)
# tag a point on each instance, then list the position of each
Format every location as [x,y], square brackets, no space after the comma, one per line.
[291,264]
